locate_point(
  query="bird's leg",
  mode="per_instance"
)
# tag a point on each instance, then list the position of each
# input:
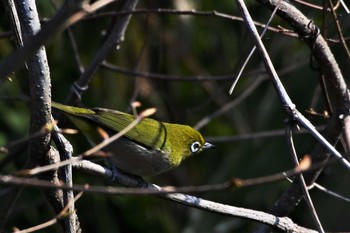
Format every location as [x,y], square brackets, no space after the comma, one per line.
[124,178]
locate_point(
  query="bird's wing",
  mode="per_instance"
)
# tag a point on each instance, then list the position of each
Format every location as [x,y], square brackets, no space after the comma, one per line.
[148,132]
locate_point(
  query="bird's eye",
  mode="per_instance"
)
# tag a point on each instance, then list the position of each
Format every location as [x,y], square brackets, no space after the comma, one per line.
[195,147]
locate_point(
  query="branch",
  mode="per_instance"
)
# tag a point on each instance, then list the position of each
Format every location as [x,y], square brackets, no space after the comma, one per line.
[193,12]
[336,89]
[112,42]
[68,14]
[283,224]
[300,177]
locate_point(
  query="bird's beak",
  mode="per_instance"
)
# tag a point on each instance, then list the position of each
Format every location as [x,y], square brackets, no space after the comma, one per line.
[207,145]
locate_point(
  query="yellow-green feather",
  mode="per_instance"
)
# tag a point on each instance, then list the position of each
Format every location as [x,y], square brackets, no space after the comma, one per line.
[148,132]
[180,138]
[172,139]
[75,115]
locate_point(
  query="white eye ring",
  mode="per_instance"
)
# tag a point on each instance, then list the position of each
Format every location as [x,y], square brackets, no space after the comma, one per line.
[195,147]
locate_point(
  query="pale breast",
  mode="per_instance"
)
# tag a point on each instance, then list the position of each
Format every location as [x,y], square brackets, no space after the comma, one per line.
[138,160]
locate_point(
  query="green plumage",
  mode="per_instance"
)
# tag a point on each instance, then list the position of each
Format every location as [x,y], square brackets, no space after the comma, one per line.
[151,147]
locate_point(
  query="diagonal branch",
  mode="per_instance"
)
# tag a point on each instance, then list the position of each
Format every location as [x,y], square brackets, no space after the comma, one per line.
[112,42]
[335,86]
[339,97]
[68,14]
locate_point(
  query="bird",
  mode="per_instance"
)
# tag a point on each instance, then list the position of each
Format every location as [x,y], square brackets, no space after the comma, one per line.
[148,149]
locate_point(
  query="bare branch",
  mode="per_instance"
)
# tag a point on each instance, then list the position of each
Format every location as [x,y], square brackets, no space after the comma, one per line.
[336,88]
[113,41]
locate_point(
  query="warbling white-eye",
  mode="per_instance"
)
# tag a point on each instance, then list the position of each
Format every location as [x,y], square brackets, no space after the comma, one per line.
[150,148]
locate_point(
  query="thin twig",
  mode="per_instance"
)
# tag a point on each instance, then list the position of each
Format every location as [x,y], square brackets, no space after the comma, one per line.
[149,75]
[191,12]
[66,212]
[122,132]
[69,13]
[336,87]
[74,45]
[339,30]
[228,106]
[257,135]
[334,194]
[252,51]
[283,95]
[66,151]
[344,6]
[171,193]
[113,41]
[314,6]
[300,177]
[96,148]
